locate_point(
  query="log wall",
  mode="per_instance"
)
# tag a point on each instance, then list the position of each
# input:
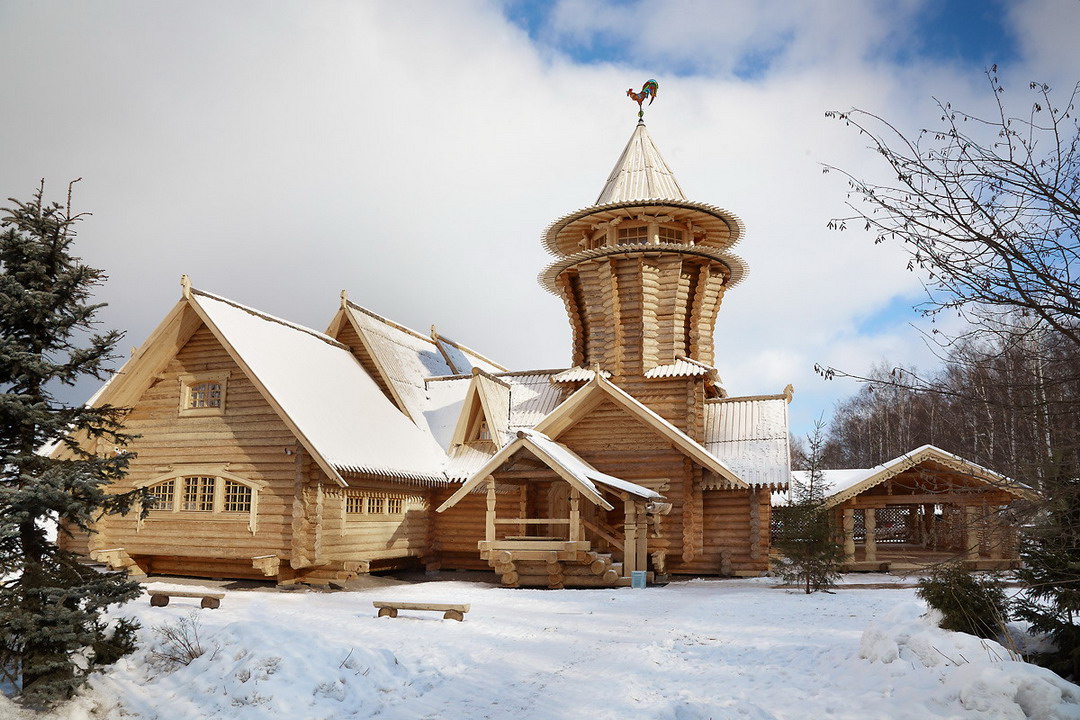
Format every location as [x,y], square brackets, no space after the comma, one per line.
[249,436]
[735,533]
[634,311]
[638,454]
[458,530]
[355,536]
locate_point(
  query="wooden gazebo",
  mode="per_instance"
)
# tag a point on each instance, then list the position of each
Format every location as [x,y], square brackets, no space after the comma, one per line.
[538,532]
[925,507]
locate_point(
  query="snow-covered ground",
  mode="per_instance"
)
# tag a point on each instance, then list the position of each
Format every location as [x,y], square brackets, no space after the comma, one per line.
[690,650]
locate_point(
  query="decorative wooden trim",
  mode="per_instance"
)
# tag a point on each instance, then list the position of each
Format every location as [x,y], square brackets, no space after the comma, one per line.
[215,470]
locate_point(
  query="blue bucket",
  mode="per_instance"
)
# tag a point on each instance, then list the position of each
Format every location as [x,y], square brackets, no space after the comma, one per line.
[637,579]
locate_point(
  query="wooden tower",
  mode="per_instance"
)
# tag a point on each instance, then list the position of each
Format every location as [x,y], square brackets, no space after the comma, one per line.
[643,271]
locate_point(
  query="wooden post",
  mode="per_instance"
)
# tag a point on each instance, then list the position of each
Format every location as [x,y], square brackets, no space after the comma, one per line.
[997,535]
[642,538]
[929,528]
[630,538]
[870,530]
[489,533]
[575,515]
[523,508]
[971,532]
[849,535]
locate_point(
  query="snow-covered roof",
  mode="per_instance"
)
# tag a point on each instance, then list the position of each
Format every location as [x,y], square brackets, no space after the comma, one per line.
[564,461]
[325,392]
[847,483]
[577,374]
[750,435]
[598,389]
[585,472]
[682,367]
[532,397]
[640,173]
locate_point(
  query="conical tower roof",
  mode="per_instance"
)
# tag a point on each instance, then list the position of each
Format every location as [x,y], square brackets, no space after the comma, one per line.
[640,173]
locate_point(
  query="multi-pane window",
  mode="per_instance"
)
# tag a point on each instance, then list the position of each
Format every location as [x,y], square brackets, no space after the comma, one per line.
[671,235]
[394,505]
[632,235]
[198,494]
[354,504]
[236,497]
[161,495]
[374,505]
[205,395]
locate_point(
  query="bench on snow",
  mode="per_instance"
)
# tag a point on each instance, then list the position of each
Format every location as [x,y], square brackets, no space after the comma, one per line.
[449,611]
[210,599]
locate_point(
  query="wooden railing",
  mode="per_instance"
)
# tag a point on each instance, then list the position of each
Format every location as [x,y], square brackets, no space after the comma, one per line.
[614,541]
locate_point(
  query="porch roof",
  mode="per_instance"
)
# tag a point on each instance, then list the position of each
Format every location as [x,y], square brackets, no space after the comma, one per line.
[564,461]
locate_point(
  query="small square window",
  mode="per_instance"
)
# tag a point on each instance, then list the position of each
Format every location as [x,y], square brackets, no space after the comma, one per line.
[354,504]
[203,394]
[207,394]
[375,505]
[394,506]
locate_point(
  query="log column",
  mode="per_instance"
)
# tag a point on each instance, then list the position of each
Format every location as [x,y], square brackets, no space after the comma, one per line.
[642,538]
[489,531]
[849,535]
[870,530]
[630,538]
[971,533]
[575,515]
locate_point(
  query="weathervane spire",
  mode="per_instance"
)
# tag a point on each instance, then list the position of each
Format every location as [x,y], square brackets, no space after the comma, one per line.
[648,90]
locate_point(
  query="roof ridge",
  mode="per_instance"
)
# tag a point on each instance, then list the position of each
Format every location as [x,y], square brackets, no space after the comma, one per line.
[391,323]
[467,349]
[271,318]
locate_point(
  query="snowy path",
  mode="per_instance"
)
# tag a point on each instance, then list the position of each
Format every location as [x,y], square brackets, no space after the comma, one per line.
[697,649]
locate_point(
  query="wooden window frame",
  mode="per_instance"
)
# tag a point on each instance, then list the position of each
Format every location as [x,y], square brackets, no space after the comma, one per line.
[678,232]
[188,382]
[638,229]
[221,475]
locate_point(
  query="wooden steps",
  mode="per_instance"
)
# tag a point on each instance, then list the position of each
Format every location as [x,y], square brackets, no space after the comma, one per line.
[592,569]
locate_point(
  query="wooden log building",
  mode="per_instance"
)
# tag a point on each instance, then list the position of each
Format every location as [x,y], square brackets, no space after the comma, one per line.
[925,507]
[271,450]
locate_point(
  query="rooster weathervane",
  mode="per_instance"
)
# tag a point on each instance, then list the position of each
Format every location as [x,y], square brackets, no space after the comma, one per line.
[648,90]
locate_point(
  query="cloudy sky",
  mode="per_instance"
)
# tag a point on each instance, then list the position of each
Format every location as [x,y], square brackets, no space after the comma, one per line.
[412,153]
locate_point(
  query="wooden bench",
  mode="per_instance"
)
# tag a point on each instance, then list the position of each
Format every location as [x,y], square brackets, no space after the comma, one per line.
[210,599]
[449,611]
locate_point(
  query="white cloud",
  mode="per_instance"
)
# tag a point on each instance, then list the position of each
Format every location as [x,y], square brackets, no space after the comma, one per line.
[414,152]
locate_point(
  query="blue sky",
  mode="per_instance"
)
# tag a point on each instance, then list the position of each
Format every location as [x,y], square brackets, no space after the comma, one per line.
[969,32]
[413,153]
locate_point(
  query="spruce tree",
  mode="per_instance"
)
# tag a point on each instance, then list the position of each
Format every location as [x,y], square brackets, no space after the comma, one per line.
[807,537]
[1050,550]
[52,630]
